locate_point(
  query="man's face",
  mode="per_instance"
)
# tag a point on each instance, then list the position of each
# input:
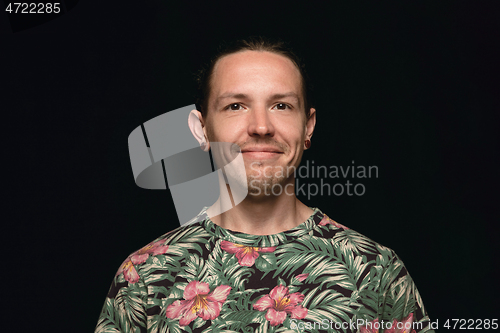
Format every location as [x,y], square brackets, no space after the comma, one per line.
[256,101]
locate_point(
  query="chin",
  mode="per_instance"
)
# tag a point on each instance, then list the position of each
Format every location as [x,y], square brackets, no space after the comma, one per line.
[263,186]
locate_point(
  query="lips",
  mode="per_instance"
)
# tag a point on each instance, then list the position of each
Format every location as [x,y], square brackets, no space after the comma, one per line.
[262,150]
[261,153]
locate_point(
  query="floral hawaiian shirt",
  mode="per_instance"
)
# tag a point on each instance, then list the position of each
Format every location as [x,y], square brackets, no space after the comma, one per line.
[317,277]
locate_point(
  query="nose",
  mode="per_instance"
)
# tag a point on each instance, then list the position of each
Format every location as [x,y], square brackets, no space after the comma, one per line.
[260,123]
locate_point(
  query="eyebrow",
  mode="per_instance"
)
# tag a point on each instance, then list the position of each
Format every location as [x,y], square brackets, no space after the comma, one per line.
[231,95]
[244,96]
[290,94]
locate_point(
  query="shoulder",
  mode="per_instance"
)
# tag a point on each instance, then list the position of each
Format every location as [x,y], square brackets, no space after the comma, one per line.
[174,245]
[351,242]
[374,272]
[358,253]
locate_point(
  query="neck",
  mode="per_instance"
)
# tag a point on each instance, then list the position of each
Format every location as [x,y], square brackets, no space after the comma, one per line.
[259,215]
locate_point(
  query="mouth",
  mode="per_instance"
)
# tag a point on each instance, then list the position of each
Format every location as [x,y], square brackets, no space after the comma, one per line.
[261,153]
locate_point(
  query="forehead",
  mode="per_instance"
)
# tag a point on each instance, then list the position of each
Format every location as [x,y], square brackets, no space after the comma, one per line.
[257,72]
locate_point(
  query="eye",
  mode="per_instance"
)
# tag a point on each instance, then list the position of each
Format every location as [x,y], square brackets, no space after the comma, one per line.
[282,106]
[234,107]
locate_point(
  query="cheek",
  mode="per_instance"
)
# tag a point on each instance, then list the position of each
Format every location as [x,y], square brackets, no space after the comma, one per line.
[210,130]
[294,134]
[210,134]
[225,130]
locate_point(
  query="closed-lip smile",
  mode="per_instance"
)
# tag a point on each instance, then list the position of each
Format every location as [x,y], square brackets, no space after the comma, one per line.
[262,152]
[262,149]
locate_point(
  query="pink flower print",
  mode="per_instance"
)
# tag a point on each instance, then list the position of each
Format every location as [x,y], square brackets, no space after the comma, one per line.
[153,248]
[138,257]
[198,302]
[279,303]
[371,327]
[403,326]
[246,254]
[326,220]
[129,272]
[302,277]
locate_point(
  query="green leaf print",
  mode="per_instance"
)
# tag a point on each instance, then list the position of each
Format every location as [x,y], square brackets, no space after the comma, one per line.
[237,320]
[350,240]
[225,266]
[266,262]
[130,310]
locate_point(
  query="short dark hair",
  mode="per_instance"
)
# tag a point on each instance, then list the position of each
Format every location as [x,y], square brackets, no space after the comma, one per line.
[258,43]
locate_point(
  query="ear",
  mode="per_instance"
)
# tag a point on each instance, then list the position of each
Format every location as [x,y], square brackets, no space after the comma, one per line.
[195,123]
[310,123]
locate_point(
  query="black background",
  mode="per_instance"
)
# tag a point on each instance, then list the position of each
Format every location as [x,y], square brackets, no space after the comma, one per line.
[410,88]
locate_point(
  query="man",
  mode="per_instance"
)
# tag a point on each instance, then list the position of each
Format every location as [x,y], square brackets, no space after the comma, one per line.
[270,262]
